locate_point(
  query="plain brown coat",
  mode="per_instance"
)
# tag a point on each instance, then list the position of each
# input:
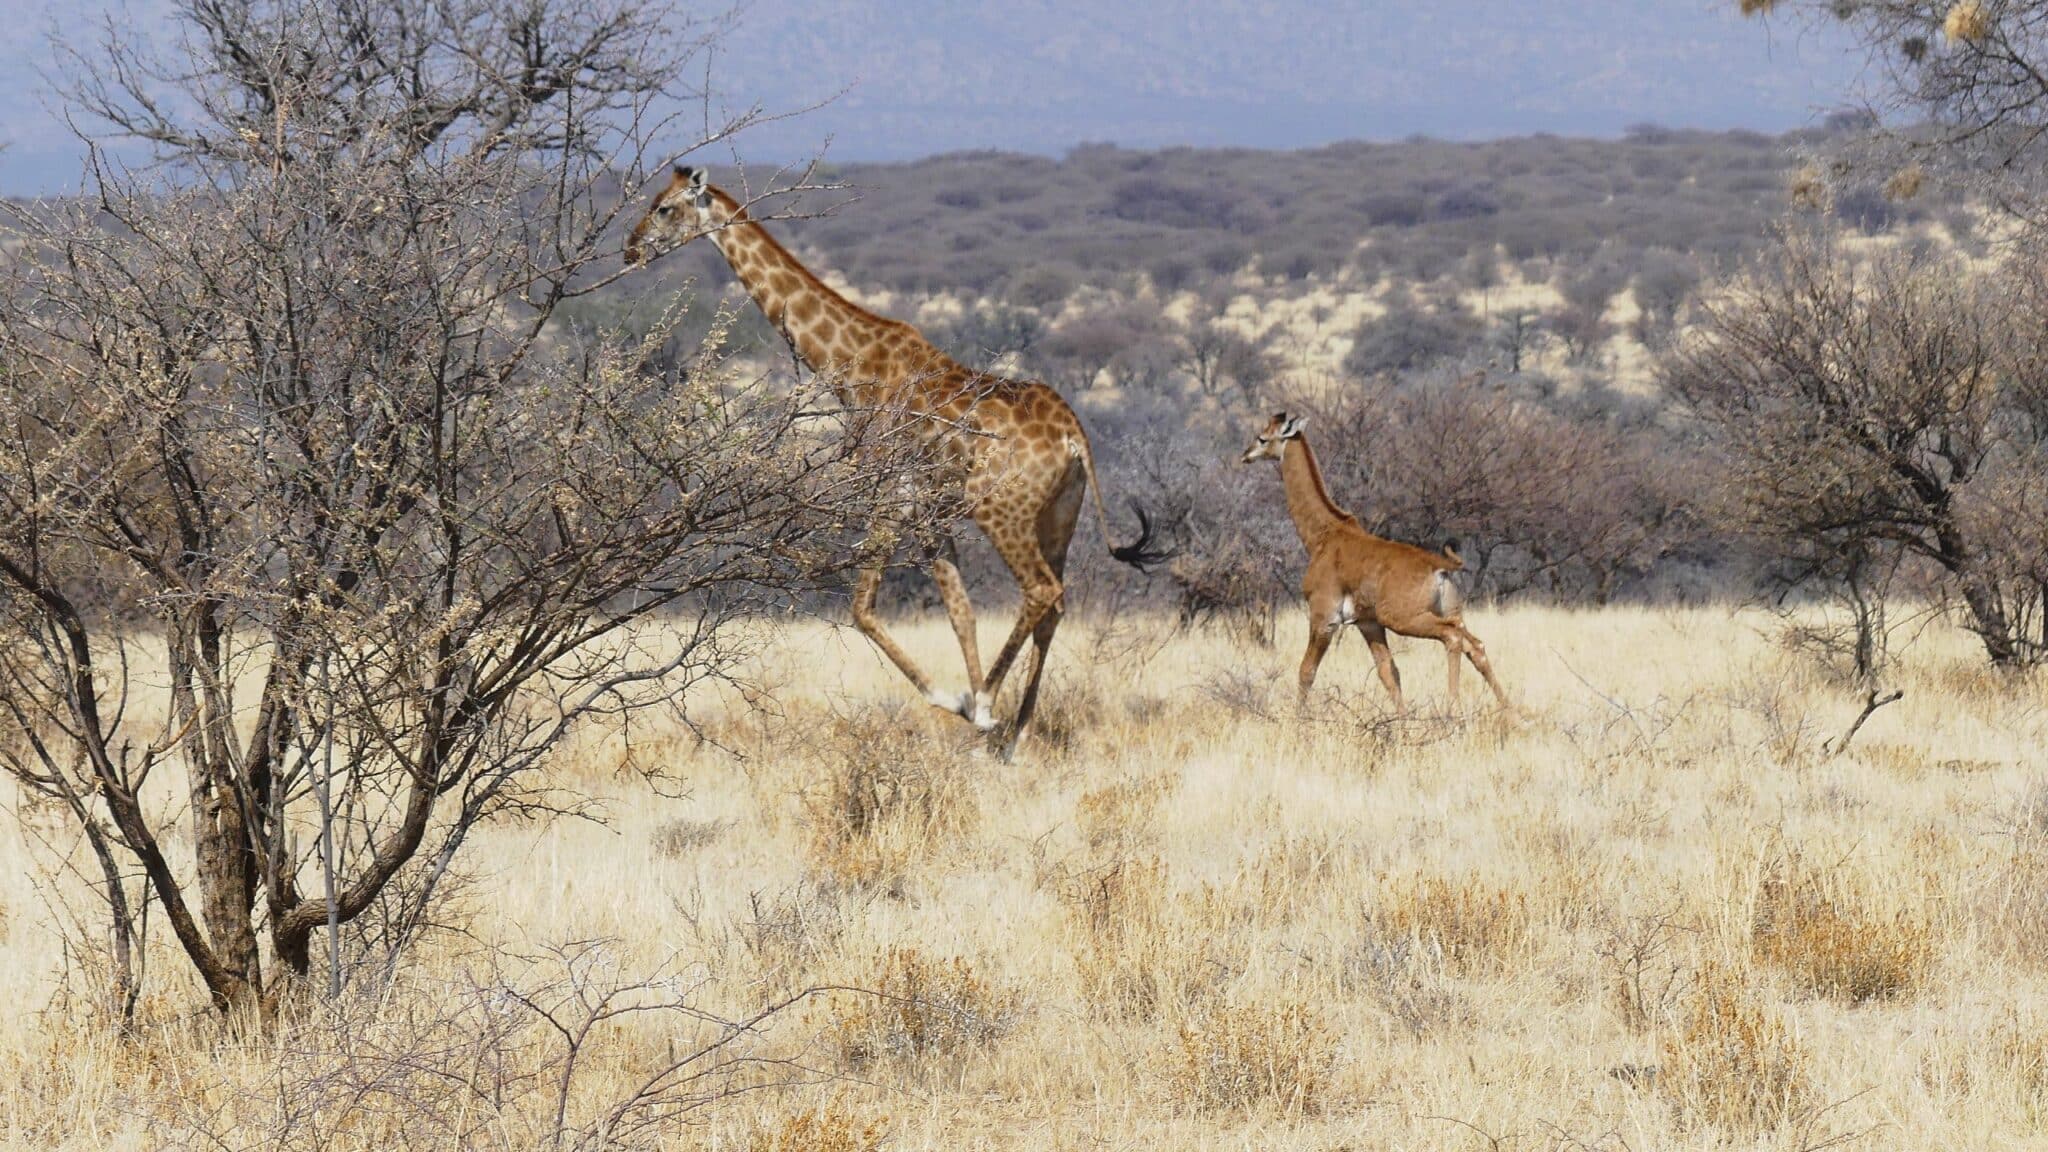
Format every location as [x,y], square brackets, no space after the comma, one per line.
[1355,577]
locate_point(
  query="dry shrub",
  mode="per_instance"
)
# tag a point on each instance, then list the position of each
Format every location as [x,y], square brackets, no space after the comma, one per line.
[1758,7]
[1230,583]
[1905,183]
[920,1007]
[1122,815]
[1818,929]
[1968,21]
[1469,924]
[787,934]
[885,799]
[833,1128]
[1642,976]
[1128,955]
[1730,1062]
[1234,1057]
[564,1049]
[1809,190]
[682,836]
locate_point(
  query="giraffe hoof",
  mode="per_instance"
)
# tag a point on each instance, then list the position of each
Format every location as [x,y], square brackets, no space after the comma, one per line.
[984,720]
[961,705]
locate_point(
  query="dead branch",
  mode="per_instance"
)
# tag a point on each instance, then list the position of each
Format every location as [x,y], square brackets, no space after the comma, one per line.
[1871,703]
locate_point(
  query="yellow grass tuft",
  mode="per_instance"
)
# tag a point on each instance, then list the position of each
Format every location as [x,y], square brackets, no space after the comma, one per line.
[1827,936]
[1236,1057]
[886,799]
[1132,954]
[1758,7]
[1731,1062]
[1967,22]
[832,1128]
[1472,925]
[920,1007]
[1122,815]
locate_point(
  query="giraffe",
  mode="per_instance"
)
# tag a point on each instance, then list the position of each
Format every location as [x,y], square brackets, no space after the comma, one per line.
[1357,578]
[1022,460]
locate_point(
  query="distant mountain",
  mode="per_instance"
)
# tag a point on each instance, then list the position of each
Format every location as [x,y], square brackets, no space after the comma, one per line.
[926,76]
[1041,75]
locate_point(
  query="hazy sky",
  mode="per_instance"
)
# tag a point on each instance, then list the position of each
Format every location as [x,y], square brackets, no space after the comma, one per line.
[920,76]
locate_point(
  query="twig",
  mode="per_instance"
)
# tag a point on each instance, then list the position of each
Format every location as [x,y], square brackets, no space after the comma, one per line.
[1871,703]
[1495,1143]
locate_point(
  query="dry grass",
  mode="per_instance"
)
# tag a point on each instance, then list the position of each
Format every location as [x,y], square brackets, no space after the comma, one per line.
[1731,1061]
[919,1008]
[1464,922]
[1256,1055]
[1831,939]
[832,1128]
[1649,914]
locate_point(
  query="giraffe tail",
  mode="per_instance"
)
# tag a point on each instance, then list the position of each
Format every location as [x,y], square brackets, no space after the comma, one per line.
[1141,553]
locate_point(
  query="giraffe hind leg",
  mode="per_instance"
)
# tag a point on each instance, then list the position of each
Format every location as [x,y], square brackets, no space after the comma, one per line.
[1055,533]
[1476,653]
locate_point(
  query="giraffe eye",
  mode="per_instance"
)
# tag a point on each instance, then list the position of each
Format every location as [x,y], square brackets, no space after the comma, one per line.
[665,209]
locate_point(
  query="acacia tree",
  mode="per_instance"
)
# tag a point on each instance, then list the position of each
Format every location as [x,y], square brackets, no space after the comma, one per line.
[312,514]
[1873,409]
[1968,79]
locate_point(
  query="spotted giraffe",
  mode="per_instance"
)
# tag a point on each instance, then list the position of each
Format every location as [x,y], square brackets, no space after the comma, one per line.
[1021,456]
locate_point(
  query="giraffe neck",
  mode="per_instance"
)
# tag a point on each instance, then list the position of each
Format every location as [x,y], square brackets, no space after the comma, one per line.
[1308,498]
[828,332]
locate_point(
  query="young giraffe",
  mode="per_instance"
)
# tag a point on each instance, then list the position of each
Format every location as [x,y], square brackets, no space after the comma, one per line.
[1357,578]
[1022,457]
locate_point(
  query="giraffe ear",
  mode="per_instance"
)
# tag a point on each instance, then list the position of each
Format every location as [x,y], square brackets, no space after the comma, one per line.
[692,177]
[1292,428]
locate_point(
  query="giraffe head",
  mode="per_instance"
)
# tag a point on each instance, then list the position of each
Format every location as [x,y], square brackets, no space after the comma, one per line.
[686,209]
[1273,437]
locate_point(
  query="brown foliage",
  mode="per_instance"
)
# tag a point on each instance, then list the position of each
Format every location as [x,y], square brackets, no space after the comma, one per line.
[1731,1062]
[1830,941]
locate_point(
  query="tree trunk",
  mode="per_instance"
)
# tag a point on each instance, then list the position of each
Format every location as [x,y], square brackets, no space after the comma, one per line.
[1988,620]
[224,867]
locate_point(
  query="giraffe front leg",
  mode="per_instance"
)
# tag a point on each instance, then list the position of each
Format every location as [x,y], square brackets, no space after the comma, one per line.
[869,622]
[960,610]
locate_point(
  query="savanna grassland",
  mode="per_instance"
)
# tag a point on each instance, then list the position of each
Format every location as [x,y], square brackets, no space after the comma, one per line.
[1661,908]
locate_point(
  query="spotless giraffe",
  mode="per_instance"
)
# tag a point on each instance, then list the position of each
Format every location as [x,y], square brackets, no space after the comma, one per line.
[1357,578]
[1016,449]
